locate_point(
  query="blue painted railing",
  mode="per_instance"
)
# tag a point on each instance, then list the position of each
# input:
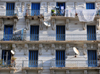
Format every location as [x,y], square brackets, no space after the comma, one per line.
[34,37]
[11,12]
[60,37]
[13,37]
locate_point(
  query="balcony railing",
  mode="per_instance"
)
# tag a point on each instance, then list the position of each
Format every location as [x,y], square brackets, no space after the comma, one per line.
[75,63]
[8,12]
[13,37]
[32,63]
[49,37]
[59,12]
[31,12]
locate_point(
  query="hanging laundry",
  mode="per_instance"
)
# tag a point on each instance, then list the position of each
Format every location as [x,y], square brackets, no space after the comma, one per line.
[86,15]
[70,13]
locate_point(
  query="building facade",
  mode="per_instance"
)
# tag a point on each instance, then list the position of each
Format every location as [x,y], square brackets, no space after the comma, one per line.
[49,37]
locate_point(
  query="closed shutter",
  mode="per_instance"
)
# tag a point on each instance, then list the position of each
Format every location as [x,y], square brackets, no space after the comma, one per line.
[35,9]
[8,32]
[34,33]
[10,9]
[90,5]
[60,58]
[91,32]
[33,58]
[60,33]
[92,58]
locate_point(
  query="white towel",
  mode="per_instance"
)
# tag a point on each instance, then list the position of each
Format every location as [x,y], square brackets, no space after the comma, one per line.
[70,13]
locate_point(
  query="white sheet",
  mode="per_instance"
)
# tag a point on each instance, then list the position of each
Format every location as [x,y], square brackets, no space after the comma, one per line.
[86,15]
[70,13]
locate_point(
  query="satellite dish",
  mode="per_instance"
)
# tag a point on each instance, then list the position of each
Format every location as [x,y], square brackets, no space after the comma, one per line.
[47,24]
[12,52]
[75,50]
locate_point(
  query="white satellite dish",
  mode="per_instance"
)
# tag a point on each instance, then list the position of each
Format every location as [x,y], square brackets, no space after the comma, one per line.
[47,24]
[75,50]
[12,52]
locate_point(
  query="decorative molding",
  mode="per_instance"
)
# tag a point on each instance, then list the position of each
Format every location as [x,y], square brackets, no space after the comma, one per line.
[84,26]
[25,49]
[1,24]
[27,24]
[47,46]
[24,72]
[28,5]
[67,24]
[40,49]
[67,48]
[33,46]
[22,6]
[53,49]
[92,46]
[52,72]
[84,49]
[53,24]
[0,54]
[39,71]
[98,24]
[5,46]
[85,71]
[67,71]
[60,46]
[15,21]
[41,24]
[11,71]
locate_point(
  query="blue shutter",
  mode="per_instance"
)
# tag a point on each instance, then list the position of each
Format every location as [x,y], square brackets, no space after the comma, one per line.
[34,33]
[91,32]
[92,58]
[60,33]
[4,53]
[33,58]
[90,5]
[60,58]
[35,9]
[8,32]
[10,9]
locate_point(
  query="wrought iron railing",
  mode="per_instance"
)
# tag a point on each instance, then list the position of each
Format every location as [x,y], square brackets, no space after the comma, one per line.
[13,37]
[31,12]
[32,63]
[8,12]
[75,63]
[59,12]
[49,37]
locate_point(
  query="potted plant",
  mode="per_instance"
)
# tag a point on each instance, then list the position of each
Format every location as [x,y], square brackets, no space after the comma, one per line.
[54,14]
[76,14]
[13,61]
[97,14]
[52,11]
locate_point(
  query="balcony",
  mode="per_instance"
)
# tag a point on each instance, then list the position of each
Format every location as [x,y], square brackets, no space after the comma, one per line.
[8,12]
[30,12]
[75,63]
[58,12]
[49,37]
[12,37]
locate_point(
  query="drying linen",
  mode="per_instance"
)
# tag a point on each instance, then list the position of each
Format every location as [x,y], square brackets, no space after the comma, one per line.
[86,15]
[70,13]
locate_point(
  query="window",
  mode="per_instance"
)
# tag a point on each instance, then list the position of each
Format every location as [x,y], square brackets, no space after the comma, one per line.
[33,58]
[34,33]
[60,10]
[60,58]
[91,32]
[8,32]
[35,9]
[60,33]
[92,58]
[10,9]
[6,56]
[90,5]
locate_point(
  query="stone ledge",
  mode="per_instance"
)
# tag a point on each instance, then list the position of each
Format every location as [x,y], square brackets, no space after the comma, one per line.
[6,69]
[74,68]
[32,68]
